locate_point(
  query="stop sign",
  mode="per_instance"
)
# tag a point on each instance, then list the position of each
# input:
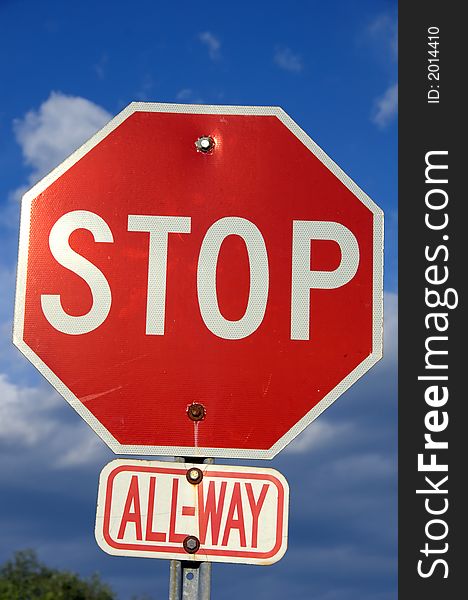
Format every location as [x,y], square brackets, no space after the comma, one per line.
[199,280]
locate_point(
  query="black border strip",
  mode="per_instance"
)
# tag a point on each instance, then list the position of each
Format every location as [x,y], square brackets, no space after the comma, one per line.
[432,272]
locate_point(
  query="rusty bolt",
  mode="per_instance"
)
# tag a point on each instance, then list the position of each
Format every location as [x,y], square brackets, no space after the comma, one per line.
[191,544]
[196,412]
[194,475]
[205,143]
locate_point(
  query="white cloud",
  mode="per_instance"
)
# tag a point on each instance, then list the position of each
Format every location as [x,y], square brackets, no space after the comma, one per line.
[386,107]
[188,95]
[384,29]
[23,413]
[8,353]
[213,44]
[285,59]
[184,94]
[146,88]
[88,450]
[319,434]
[47,136]
[32,423]
[58,127]
[382,33]
[362,467]
[100,67]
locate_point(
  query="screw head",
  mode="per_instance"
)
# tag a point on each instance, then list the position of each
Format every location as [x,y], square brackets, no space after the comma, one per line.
[191,544]
[196,412]
[205,143]
[194,475]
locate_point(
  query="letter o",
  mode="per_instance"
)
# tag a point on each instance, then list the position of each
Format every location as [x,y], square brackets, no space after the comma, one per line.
[436,207]
[436,522]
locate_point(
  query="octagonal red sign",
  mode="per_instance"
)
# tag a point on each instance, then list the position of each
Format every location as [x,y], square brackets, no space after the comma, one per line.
[199,280]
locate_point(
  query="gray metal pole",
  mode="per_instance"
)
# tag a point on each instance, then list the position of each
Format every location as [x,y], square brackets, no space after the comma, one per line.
[205,580]
[175,580]
[190,580]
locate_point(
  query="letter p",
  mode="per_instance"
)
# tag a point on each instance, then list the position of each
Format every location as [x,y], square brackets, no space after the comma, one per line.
[303,279]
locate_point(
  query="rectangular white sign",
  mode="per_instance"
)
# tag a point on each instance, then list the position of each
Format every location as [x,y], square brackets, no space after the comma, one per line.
[187,511]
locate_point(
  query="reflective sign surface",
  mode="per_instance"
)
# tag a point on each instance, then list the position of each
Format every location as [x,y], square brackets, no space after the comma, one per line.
[244,277]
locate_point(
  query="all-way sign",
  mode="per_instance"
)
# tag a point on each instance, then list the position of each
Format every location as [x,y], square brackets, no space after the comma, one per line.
[195,512]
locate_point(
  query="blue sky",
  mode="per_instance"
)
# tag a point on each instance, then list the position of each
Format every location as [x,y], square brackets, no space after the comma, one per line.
[65,69]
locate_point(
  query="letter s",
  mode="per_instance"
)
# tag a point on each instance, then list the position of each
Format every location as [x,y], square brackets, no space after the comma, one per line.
[433,568]
[68,258]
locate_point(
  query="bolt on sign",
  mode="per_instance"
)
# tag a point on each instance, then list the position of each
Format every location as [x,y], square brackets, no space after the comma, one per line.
[187,511]
[199,281]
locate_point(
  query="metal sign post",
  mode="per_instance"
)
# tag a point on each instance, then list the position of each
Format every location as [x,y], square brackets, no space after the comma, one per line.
[189,580]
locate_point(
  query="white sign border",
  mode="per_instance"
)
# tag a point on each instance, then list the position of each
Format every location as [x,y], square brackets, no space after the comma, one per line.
[251,453]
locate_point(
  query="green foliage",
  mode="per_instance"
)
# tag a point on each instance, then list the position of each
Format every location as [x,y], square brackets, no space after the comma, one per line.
[25,578]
